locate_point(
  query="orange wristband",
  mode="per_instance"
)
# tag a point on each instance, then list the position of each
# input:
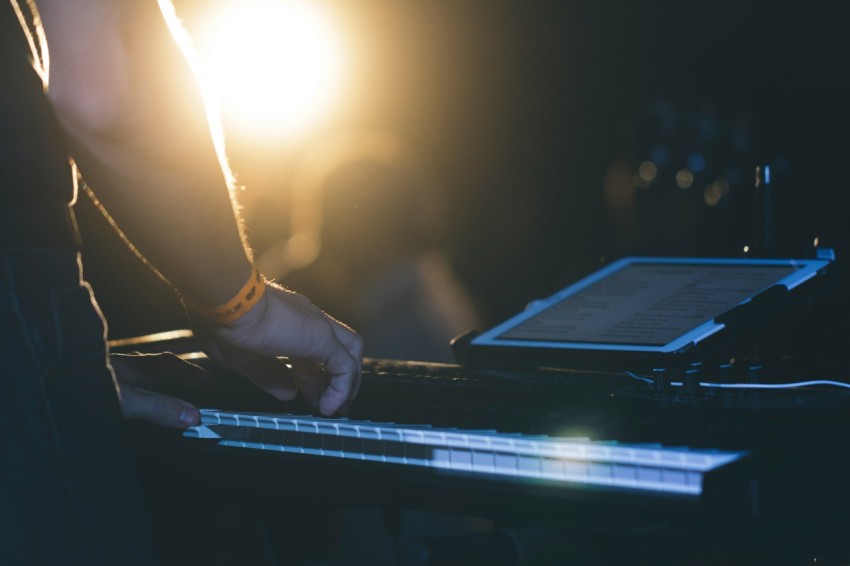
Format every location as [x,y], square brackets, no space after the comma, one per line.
[241,303]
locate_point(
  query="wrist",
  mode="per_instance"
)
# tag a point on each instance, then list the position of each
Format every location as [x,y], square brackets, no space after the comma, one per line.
[242,302]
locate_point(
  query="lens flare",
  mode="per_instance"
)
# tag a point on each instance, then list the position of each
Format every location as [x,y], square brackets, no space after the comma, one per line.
[274,67]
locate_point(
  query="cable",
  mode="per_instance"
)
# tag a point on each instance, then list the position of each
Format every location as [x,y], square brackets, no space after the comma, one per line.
[769,385]
[793,385]
[633,375]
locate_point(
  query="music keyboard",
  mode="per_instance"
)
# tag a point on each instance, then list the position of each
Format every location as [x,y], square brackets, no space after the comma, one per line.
[787,445]
[570,462]
[524,447]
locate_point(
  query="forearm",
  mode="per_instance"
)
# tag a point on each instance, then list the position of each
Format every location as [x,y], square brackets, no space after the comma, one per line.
[136,122]
[135,119]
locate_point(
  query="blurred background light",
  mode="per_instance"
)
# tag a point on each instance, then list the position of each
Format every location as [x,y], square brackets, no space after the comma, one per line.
[715,191]
[648,171]
[684,178]
[659,154]
[696,162]
[311,173]
[537,153]
[275,66]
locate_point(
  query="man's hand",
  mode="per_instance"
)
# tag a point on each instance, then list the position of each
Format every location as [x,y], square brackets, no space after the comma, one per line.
[137,372]
[326,355]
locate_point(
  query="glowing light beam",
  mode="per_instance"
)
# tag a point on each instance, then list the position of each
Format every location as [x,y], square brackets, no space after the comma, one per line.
[275,67]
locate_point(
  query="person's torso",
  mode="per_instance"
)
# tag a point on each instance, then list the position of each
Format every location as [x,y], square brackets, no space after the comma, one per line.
[36,180]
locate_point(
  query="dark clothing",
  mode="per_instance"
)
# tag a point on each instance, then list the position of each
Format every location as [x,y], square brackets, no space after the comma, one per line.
[35,174]
[68,488]
[33,160]
[68,493]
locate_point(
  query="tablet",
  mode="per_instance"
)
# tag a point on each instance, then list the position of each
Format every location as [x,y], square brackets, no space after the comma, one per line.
[651,305]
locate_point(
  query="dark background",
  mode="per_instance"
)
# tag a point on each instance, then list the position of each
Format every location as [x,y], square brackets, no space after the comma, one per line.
[536,114]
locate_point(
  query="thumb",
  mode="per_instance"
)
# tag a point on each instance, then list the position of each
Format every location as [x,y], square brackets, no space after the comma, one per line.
[157,408]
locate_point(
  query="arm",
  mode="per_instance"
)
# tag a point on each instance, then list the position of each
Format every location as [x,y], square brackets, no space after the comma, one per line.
[136,123]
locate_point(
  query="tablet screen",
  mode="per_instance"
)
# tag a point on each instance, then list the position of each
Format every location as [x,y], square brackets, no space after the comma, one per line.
[647,303]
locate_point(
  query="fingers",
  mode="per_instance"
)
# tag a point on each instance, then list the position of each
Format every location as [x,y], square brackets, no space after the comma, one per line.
[157,408]
[341,360]
[311,378]
[354,344]
[136,371]
[343,378]
[321,387]
[288,324]
[343,368]
[348,338]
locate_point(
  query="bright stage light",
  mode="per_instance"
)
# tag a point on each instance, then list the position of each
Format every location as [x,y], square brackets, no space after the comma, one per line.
[275,66]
